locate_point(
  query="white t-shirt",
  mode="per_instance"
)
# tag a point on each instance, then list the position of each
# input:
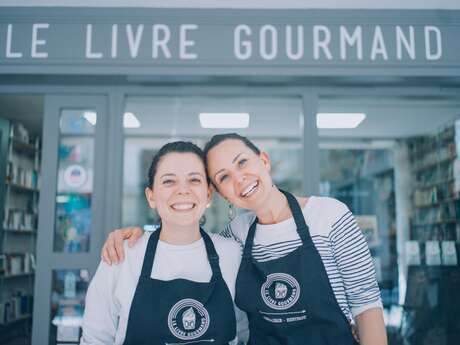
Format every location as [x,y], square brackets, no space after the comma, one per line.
[111,291]
[339,241]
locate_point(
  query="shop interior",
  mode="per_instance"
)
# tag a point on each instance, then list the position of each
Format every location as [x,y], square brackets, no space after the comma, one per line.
[394,160]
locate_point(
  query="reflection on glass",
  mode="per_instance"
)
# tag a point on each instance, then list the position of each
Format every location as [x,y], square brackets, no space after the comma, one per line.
[151,122]
[399,172]
[75,181]
[67,305]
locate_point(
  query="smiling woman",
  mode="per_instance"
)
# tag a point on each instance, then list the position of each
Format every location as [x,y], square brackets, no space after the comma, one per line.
[182,278]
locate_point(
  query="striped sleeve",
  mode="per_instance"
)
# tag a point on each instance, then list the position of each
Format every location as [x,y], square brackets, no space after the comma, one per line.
[355,264]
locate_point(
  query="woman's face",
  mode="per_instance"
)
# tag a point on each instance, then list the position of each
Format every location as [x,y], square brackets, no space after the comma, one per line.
[180,191]
[240,175]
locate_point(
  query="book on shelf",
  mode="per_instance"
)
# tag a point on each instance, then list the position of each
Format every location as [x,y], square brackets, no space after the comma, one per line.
[17,307]
[17,264]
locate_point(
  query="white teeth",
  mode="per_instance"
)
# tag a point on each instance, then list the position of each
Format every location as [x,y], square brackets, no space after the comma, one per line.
[182,207]
[249,189]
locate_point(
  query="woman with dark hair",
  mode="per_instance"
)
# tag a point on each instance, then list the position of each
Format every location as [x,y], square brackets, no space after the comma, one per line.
[306,271]
[175,286]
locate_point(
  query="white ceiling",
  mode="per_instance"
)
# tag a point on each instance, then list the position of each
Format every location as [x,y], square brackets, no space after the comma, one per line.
[271,117]
[262,4]
[276,117]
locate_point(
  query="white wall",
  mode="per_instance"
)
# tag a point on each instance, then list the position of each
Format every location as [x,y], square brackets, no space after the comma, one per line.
[263,4]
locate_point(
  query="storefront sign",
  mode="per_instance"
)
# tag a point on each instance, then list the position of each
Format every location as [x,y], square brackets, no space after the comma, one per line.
[275,39]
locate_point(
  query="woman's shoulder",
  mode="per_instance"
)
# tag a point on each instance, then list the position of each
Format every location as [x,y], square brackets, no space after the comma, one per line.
[325,206]
[229,253]
[138,249]
[322,214]
[240,224]
[224,245]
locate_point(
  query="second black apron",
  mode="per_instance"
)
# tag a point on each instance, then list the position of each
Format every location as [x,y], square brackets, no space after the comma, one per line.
[289,301]
[181,311]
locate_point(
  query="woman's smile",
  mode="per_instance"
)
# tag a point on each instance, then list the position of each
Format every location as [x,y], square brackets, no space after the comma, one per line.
[250,189]
[183,206]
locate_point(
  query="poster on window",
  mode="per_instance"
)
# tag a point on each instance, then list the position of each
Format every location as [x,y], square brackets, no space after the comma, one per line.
[432,253]
[413,253]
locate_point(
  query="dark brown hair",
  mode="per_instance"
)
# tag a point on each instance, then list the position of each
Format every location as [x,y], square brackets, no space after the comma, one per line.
[218,138]
[175,146]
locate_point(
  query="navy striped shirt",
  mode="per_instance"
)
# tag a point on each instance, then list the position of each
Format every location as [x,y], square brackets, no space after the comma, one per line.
[339,241]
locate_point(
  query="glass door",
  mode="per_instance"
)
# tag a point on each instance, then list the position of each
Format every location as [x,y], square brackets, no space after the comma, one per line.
[71,213]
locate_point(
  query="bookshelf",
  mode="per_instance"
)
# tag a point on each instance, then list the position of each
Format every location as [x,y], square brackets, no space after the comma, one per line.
[20,191]
[433,283]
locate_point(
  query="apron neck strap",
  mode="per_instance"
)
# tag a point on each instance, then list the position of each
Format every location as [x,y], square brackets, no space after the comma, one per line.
[150,254]
[213,257]
[147,265]
[302,227]
[297,214]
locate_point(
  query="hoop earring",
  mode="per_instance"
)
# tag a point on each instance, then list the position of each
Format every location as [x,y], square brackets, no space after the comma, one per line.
[202,221]
[231,212]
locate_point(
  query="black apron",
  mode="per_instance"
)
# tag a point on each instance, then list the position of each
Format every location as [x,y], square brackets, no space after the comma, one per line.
[181,311]
[289,301]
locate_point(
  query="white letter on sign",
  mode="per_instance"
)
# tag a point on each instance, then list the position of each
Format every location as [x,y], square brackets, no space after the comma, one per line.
[438,53]
[89,38]
[36,42]
[268,33]
[162,43]
[184,43]
[355,38]
[323,44]
[238,44]
[9,36]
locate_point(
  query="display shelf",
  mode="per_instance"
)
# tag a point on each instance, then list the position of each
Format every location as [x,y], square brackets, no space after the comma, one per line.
[434,165]
[23,147]
[17,275]
[20,165]
[19,231]
[19,187]
[447,221]
[19,319]
[435,184]
[436,204]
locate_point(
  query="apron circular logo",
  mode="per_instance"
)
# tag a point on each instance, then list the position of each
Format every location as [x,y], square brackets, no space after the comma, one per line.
[188,319]
[280,291]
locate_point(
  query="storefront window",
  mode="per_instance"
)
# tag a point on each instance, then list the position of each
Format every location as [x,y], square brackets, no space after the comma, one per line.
[150,122]
[395,163]
[75,181]
[67,305]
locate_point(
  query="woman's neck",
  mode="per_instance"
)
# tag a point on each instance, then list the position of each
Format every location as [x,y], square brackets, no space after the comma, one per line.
[276,208]
[179,235]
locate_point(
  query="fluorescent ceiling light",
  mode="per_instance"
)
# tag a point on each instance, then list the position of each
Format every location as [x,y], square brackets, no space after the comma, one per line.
[130,121]
[224,120]
[91,117]
[339,120]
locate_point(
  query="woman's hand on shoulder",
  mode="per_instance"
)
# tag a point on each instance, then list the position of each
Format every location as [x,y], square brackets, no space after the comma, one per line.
[112,250]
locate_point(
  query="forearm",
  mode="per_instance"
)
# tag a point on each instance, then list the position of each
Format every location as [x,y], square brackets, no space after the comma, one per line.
[371,327]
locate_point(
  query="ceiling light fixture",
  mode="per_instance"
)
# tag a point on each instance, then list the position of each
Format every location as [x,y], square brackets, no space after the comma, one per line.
[130,120]
[91,117]
[339,120]
[224,120]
